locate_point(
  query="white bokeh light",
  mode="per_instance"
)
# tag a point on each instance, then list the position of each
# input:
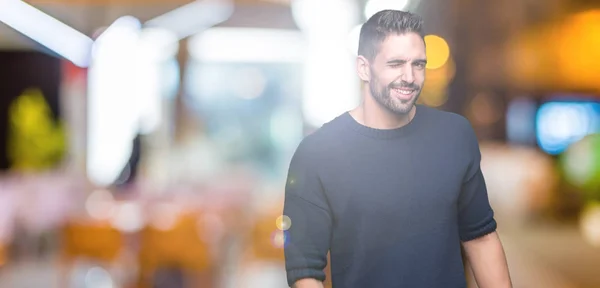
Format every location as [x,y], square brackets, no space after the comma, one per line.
[125,81]
[374,6]
[329,71]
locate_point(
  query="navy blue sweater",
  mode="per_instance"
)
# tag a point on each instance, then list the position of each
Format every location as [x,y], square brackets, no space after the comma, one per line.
[391,206]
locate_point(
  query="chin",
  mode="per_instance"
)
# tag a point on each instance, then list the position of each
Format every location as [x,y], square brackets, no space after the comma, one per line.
[403,107]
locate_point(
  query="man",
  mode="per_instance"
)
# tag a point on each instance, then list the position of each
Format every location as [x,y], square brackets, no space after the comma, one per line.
[391,189]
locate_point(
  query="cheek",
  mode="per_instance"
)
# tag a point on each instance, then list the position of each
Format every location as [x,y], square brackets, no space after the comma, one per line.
[389,77]
[420,77]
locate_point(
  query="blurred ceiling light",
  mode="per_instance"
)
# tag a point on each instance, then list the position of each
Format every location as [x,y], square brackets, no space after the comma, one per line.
[247,45]
[329,71]
[158,44]
[191,18]
[124,24]
[437,51]
[374,6]
[46,30]
[317,15]
[113,116]
[156,47]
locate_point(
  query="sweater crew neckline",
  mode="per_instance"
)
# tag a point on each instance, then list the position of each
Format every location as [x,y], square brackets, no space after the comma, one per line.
[351,123]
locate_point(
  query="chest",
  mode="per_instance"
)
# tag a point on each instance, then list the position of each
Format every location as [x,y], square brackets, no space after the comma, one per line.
[407,184]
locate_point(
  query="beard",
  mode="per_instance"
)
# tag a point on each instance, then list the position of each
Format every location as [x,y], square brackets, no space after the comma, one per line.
[383,95]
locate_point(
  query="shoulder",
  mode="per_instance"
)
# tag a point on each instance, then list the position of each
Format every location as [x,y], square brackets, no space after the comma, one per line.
[318,142]
[447,121]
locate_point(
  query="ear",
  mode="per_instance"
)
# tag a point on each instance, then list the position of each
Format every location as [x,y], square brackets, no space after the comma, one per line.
[363,68]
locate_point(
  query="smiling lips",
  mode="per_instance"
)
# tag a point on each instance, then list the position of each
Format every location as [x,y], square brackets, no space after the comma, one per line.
[403,93]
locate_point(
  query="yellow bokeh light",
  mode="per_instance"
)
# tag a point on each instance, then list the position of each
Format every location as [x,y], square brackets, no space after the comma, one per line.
[560,55]
[283,222]
[589,223]
[579,52]
[434,91]
[437,51]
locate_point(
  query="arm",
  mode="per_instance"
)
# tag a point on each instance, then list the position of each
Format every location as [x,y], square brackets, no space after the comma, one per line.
[477,226]
[307,240]
[487,259]
[308,283]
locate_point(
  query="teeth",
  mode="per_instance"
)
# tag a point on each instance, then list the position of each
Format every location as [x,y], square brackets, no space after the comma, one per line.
[402,91]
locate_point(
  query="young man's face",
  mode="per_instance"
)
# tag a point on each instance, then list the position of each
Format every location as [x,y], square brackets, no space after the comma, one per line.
[397,72]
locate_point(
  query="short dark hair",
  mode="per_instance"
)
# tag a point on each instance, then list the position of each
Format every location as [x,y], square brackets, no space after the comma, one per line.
[384,23]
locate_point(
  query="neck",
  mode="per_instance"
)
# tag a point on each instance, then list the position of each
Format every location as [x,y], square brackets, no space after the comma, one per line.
[372,114]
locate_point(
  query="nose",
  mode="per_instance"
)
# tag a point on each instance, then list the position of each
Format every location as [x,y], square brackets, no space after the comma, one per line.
[407,74]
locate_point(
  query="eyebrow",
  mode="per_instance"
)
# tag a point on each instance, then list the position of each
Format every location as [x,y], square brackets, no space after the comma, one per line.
[400,61]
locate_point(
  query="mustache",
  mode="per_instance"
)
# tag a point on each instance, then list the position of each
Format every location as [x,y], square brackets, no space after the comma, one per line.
[405,85]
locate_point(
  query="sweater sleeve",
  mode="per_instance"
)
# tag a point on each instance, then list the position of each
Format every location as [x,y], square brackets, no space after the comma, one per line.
[476,217]
[307,240]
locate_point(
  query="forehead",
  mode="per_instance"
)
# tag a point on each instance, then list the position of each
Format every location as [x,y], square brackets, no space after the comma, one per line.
[406,46]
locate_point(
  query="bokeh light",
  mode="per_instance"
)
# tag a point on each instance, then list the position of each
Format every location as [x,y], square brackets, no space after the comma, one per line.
[435,89]
[100,205]
[98,277]
[165,216]
[283,222]
[581,163]
[559,124]
[578,53]
[437,51]
[374,6]
[590,223]
[128,217]
[279,238]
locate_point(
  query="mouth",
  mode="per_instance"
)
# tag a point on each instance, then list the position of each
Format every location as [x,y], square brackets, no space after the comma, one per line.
[403,93]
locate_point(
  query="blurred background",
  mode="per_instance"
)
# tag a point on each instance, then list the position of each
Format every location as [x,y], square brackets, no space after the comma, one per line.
[146,143]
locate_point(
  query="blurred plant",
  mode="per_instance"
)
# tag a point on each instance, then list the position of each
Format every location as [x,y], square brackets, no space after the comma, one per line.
[35,141]
[581,165]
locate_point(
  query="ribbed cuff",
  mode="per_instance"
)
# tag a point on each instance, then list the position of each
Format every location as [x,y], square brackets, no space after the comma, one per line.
[298,274]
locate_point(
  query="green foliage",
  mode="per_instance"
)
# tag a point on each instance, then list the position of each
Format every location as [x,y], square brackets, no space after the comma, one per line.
[35,141]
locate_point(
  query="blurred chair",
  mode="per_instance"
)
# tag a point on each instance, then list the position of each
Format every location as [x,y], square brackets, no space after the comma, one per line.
[262,262]
[95,241]
[265,243]
[3,256]
[264,248]
[178,247]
